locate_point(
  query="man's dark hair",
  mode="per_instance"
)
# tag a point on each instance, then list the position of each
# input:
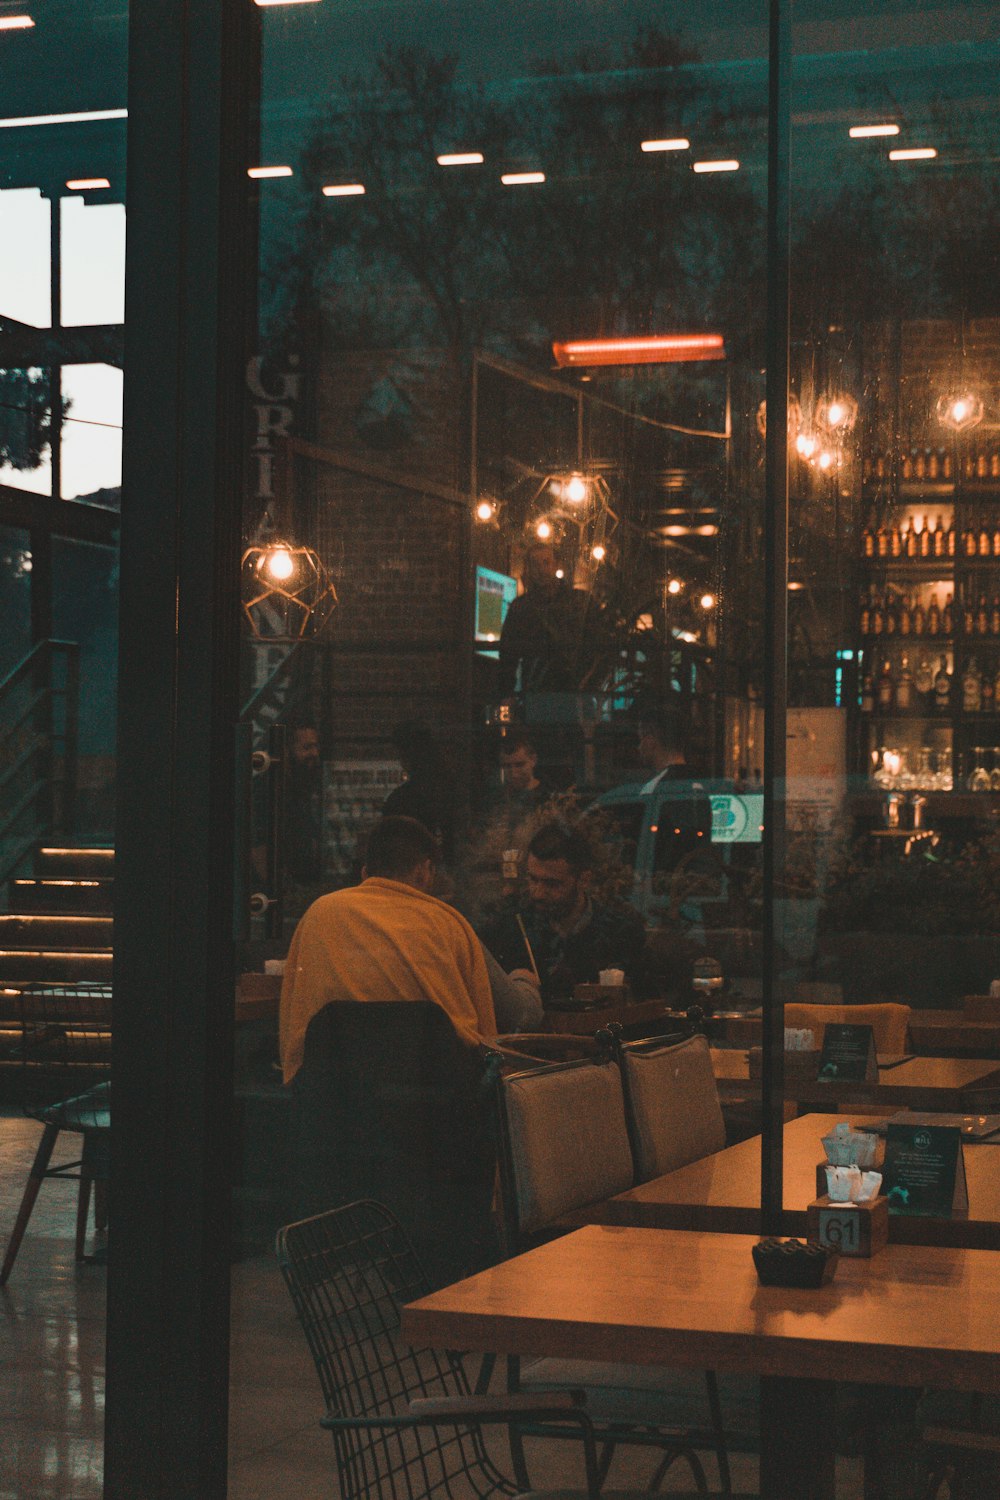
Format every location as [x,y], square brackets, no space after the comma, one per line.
[515,740]
[558,841]
[396,846]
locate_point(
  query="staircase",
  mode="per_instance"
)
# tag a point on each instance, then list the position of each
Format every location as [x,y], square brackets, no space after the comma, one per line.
[57,930]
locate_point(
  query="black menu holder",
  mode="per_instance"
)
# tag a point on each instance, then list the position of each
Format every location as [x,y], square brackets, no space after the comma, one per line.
[848,1055]
[924,1170]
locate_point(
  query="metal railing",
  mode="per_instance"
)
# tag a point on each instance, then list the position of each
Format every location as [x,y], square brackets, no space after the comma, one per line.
[39,741]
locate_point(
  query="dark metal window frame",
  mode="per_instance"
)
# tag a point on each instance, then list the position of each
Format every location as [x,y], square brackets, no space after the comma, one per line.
[193,74]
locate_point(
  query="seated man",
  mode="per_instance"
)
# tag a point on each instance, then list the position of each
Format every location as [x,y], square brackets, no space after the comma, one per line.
[389,939]
[568,935]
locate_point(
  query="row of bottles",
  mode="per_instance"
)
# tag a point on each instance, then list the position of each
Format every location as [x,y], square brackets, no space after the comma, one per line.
[980,538]
[905,614]
[928,689]
[933,465]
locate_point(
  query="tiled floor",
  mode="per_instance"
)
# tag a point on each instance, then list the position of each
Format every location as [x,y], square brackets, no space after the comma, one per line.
[52,1371]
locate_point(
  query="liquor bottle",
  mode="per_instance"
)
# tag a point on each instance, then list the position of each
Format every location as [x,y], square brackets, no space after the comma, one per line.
[878,616]
[932,464]
[982,617]
[996,539]
[866,614]
[972,688]
[895,541]
[868,539]
[904,687]
[946,469]
[947,617]
[891,617]
[924,678]
[950,540]
[940,544]
[995,615]
[911,541]
[934,617]
[969,541]
[926,539]
[995,464]
[919,621]
[867,694]
[881,541]
[905,615]
[886,686]
[985,541]
[982,468]
[919,465]
[942,687]
[906,471]
[968,613]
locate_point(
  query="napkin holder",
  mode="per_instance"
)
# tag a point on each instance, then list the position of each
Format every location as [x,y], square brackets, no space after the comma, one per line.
[856,1229]
[790,1263]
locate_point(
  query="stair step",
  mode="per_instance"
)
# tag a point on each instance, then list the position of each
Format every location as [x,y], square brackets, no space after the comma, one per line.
[67,861]
[53,965]
[81,933]
[61,896]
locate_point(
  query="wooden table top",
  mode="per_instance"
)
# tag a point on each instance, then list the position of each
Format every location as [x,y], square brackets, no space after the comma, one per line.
[921,1083]
[911,1315]
[722,1192]
[932,1032]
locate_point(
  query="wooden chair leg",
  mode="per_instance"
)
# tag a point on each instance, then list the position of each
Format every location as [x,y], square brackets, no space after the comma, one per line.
[82,1205]
[100,1205]
[38,1169]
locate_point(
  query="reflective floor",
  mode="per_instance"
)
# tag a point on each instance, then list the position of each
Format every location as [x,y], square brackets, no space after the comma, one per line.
[52,1371]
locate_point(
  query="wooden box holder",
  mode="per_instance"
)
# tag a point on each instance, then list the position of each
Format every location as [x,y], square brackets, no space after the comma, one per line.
[860,1229]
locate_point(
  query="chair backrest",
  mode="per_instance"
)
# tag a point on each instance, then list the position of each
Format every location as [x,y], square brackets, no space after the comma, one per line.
[674,1114]
[63,1048]
[391,1104]
[888,1021]
[349,1271]
[563,1143]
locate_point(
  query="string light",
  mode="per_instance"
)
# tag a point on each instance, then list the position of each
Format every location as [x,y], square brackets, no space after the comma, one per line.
[484,511]
[544,531]
[959,410]
[598,553]
[838,413]
[674,586]
[707,601]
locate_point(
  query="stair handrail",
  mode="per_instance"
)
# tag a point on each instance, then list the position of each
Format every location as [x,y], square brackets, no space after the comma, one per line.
[41,794]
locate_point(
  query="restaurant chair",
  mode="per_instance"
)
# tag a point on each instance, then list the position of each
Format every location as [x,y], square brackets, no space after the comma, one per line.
[390,1103]
[672,1107]
[890,1022]
[564,1149]
[63,1056]
[404,1421]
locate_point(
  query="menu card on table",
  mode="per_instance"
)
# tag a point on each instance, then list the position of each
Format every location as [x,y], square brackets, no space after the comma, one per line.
[924,1170]
[848,1055]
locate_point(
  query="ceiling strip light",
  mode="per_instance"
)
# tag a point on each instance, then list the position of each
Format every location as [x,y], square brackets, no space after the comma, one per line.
[727,165]
[913,153]
[81,184]
[680,143]
[80,117]
[343,190]
[261,172]
[862,132]
[16,23]
[285,2]
[653,349]
[518,179]
[461,159]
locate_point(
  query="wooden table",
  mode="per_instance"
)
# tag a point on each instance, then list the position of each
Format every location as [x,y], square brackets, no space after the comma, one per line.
[922,1083]
[933,1033]
[911,1316]
[722,1192]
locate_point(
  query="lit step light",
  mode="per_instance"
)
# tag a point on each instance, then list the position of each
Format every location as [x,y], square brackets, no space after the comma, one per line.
[864,132]
[344,190]
[259,173]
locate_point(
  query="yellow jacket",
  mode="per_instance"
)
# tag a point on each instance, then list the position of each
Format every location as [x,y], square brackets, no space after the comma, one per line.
[383,940]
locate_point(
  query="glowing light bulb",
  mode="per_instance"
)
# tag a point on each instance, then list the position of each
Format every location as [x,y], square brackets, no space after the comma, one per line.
[598,553]
[575,489]
[805,445]
[707,601]
[674,586]
[543,531]
[278,562]
[836,413]
[825,460]
[484,511]
[560,572]
[959,410]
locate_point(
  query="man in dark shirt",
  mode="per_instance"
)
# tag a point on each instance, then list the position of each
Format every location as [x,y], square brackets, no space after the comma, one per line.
[568,935]
[545,632]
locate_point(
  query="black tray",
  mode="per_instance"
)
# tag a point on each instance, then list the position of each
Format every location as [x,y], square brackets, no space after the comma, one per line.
[793,1263]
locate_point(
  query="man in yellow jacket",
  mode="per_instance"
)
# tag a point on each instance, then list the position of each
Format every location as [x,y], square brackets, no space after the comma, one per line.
[386,939]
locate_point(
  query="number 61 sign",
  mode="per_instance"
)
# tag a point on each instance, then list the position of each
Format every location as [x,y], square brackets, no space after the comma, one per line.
[849,1228]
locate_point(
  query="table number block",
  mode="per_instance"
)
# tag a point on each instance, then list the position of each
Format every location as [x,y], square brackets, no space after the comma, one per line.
[849,1228]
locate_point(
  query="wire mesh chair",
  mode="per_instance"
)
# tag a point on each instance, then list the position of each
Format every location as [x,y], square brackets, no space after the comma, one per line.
[404,1421]
[63,1049]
